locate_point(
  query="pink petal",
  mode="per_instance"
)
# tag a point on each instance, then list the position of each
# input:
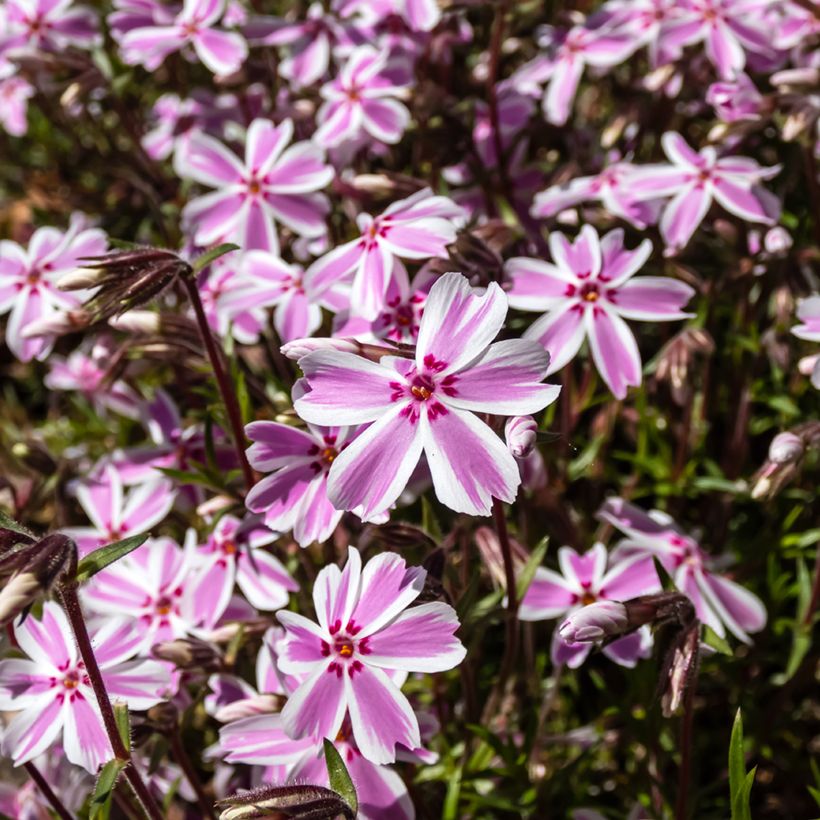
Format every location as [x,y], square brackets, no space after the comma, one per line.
[147,505]
[680,152]
[335,592]
[380,715]
[300,170]
[276,445]
[627,651]
[316,709]
[654,181]
[84,739]
[683,214]
[208,161]
[22,683]
[278,495]
[630,578]
[256,229]
[470,465]
[374,469]
[261,740]
[302,213]
[33,730]
[334,266]
[652,298]
[381,791]
[102,500]
[618,264]
[561,333]
[724,50]
[581,258]
[222,52]
[303,647]
[265,582]
[385,119]
[558,198]
[339,121]
[49,641]
[614,350]
[141,683]
[568,654]
[536,285]
[585,570]
[739,609]
[548,596]
[420,639]
[421,238]
[117,640]
[317,516]
[212,587]
[561,89]
[214,215]
[264,144]
[372,280]
[740,200]
[458,323]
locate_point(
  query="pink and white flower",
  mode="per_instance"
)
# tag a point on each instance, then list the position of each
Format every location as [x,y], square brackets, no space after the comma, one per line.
[294,495]
[584,579]
[114,514]
[51,692]
[427,404]
[735,100]
[808,311]
[15,93]
[419,227]
[365,631]
[222,52]
[47,25]
[273,183]
[587,292]
[361,99]
[719,602]
[29,276]
[233,555]
[694,179]
[156,584]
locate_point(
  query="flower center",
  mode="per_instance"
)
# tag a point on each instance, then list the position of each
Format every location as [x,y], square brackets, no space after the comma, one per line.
[345,649]
[422,388]
[71,680]
[588,598]
[164,606]
[254,186]
[589,292]
[229,547]
[33,277]
[329,454]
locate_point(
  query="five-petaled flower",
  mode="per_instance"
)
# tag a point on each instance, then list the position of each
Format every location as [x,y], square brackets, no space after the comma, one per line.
[428,404]
[51,691]
[365,631]
[587,291]
[273,183]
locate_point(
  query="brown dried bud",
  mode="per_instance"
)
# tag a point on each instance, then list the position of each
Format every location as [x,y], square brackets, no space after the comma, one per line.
[279,802]
[489,547]
[680,670]
[189,653]
[677,357]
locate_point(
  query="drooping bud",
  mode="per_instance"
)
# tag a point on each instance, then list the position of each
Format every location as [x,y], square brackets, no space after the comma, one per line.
[786,453]
[189,653]
[249,707]
[297,348]
[521,433]
[681,669]
[595,622]
[489,547]
[279,802]
[785,448]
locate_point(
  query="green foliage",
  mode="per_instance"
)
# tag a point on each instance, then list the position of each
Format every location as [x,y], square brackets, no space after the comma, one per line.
[104,556]
[339,777]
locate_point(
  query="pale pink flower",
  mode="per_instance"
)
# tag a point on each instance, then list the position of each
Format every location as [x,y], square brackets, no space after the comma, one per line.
[86,373]
[264,280]
[578,48]
[735,100]
[647,21]
[361,99]
[134,14]
[29,276]
[25,801]
[419,15]
[222,52]
[365,630]
[419,227]
[808,311]
[728,28]
[428,404]
[156,584]
[720,603]
[47,25]
[51,692]
[15,93]
[233,555]
[115,515]
[584,579]
[294,495]
[694,179]
[586,292]
[273,183]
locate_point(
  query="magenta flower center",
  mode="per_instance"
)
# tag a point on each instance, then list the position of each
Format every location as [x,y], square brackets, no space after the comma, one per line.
[164,605]
[344,648]
[325,454]
[421,388]
[589,292]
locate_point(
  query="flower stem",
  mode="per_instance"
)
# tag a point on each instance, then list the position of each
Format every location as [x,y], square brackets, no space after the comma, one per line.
[815,593]
[184,761]
[71,604]
[684,772]
[226,389]
[49,793]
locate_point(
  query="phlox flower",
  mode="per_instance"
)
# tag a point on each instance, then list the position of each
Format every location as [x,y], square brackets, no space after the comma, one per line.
[808,311]
[419,227]
[361,99]
[46,25]
[51,691]
[728,28]
[264,280]
[15,93]
[720,603]
[365,629]
[584,579]
[427,404]
[647,21]
[294,495]
[134,14]
[222,52]
[735,100]
[577,48]
[156,584]
[694,179]
[273,183]
[419,15]
[86,373]
[586,292]
[29,276]
[233,555]
[115,515]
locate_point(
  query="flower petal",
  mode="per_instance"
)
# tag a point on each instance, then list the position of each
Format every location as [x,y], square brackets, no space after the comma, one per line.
[316,709]
[652,298]
[614,350]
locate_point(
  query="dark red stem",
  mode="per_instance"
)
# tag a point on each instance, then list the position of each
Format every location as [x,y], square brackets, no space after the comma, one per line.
[48,792]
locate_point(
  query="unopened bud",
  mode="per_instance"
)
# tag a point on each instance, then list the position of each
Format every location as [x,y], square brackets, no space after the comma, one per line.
[275,802]
[489,547]
[301,347]
[786,448]
[681,670]
[520,433]
[80,279]
[57,324]
[163,717]
[188,653]
[599,620]
[136,321]
[777,240]
[18,595]
[249,707]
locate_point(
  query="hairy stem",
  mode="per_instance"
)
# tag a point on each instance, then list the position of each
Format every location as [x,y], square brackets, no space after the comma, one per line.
[184,761]
[71,604]
[685,770]
[226,389]
[49,793]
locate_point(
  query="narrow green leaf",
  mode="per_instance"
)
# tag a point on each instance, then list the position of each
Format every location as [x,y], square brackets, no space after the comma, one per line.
[101,558]
[450,810]
[535,560]
[123,723]
[101,799]
[663,576]
[712,639]
[740,807]
[209,256]
[8,523]
[339,777]
[737,766]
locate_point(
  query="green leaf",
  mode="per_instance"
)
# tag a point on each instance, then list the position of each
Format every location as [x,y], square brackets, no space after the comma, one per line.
[721,645]
[740,784]
[339,777]
[535,560]
[123,723]
[664,577]
[101,558]
[101,799]
[206,258]
[8,523]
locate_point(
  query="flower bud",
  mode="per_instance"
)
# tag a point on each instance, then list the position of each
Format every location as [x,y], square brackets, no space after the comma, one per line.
[81,279]
[274,802]
[786,448]
[301,347]
[188,653]
[777,240]
[602,619]
[57,324]
[18,595]
[520,433]
[249,707]
[681,670]
[136,321]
